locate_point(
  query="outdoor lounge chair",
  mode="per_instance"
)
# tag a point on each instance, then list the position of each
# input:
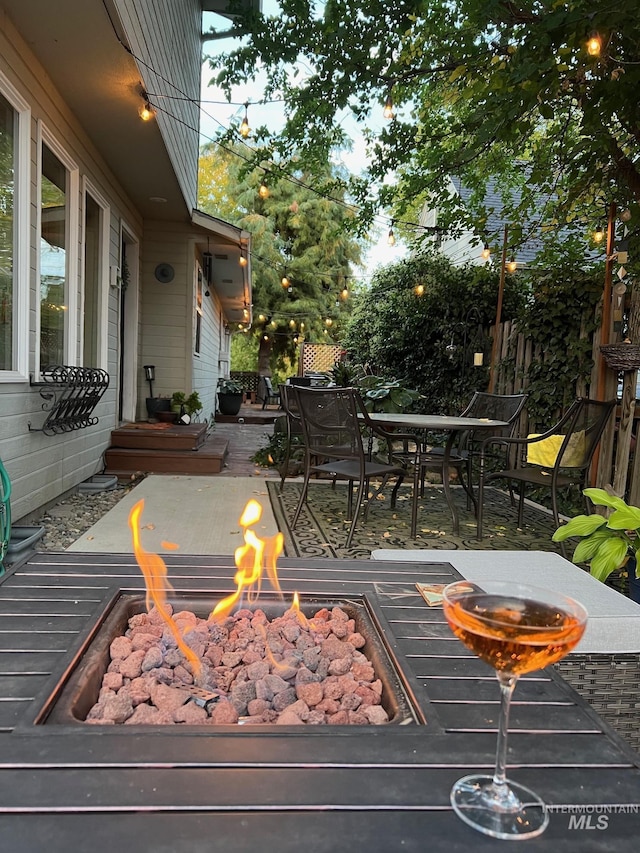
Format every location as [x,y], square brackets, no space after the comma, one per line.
[333,421]
[558,458]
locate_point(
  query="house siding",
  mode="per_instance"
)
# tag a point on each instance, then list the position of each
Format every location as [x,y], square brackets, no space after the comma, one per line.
[165,36]
[42,467]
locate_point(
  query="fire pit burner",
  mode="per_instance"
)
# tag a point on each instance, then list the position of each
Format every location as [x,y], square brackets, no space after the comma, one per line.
[325,663]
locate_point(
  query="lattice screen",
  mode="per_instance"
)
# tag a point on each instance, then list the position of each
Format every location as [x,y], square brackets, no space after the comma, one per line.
[318,358]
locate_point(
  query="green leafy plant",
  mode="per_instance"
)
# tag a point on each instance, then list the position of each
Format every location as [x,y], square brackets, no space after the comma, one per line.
[191,404]
[229,386]
[386,395]
[606,543]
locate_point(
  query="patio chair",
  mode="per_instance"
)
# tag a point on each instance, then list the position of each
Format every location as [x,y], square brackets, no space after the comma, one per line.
[333,420]
[555,459]
[289,404]
[465,452]
[267,393]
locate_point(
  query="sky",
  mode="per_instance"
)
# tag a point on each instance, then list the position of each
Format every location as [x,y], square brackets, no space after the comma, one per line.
[217,113]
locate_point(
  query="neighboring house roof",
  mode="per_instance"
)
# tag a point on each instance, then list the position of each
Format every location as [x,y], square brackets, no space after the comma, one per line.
[467,246]
[525,253]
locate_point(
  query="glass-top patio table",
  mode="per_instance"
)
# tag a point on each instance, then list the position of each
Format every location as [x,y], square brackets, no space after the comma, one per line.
[453,425]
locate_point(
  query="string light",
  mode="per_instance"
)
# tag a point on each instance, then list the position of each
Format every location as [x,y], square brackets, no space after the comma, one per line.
[598,234]
[512,265]
[242,260]
[486,252]
[245,130]
[594,44]
[345,293]
[391,238]
[146,111]
[285,281]
[263,191]
[419,289]
[388,112]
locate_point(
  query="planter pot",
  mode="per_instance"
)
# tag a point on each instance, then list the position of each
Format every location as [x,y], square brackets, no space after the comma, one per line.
[229,404]
[634,582]
[157,404]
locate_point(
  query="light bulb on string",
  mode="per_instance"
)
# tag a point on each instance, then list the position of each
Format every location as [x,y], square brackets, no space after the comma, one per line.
[419,289]
[512,265]
[486,252]
[261,318]
[292,324]
[265,337]
[242,260]
[329,321]
[388,112]
[391,237]
[598,234]
[594,44]
[146,111]
[263,190]
[345,293]
[284,281]
[245,130]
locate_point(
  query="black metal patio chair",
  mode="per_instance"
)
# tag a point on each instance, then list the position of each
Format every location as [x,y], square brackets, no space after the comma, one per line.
[333,421]
[465,452]
[555,459]
[289,404]
[267,393]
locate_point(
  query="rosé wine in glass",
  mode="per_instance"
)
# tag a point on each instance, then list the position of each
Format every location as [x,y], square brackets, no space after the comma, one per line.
[516,629]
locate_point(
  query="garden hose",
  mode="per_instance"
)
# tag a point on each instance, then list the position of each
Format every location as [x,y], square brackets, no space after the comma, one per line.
[5,514]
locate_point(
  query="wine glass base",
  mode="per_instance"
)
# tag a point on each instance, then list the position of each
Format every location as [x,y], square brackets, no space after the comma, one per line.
[515,813]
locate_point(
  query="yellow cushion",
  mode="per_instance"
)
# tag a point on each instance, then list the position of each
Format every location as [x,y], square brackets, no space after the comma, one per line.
[545,452]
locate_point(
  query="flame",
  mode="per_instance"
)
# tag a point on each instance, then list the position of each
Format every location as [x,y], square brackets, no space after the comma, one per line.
[302,619]
[154,571]
[252,558]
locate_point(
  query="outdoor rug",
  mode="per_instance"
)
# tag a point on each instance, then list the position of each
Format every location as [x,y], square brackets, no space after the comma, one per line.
[322,528]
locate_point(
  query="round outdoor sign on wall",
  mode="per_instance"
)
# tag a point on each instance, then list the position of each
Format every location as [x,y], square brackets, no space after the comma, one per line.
[165,273]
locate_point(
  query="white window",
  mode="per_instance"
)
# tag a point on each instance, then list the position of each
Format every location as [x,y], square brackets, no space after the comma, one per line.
[58,214]
[14,233]
[95,273]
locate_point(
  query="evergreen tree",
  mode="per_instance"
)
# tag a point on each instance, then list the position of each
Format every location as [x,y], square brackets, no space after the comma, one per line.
[302,255]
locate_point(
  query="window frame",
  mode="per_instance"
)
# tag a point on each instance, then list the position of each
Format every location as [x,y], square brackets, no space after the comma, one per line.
[88,188]
[72,235]
[19,371]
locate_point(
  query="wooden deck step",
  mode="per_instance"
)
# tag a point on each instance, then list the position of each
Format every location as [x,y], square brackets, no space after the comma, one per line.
[159,436]
[206,459]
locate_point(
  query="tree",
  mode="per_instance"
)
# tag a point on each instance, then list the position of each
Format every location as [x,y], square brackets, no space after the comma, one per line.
[421,322]
[302,256]
[479,88]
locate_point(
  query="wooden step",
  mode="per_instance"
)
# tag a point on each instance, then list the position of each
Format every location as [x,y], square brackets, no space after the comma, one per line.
[207,459]
[146,436]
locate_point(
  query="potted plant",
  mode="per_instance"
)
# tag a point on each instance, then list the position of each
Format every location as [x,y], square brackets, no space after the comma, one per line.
[230,395]
[181,404]
[607,543]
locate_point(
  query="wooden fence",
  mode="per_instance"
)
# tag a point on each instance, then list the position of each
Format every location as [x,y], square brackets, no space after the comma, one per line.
[617,464]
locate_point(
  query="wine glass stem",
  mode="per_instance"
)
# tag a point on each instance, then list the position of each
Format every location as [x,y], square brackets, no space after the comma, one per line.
[507,685]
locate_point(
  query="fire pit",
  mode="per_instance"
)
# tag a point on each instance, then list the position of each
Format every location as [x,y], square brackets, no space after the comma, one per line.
[309,674]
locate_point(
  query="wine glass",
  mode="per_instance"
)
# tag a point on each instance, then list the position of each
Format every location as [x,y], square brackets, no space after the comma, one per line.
[515,628]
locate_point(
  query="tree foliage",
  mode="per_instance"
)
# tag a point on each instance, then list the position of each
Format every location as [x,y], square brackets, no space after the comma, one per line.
[480,88]
[427,341]
[296,236]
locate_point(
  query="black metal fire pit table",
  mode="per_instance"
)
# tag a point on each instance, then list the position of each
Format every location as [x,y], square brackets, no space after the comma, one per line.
[68,785]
